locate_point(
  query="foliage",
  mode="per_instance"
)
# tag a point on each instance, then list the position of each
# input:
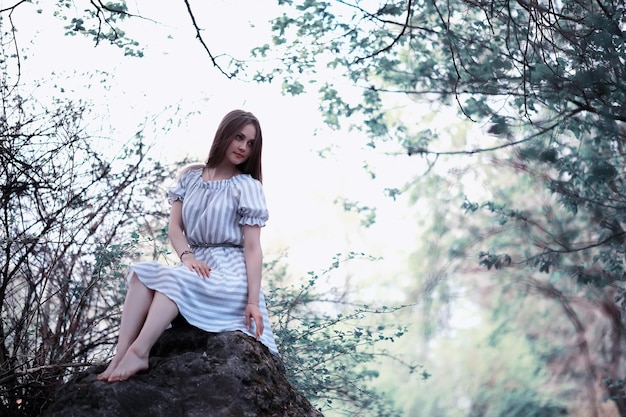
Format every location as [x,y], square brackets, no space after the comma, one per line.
[547,75]
[516,403]
[330,346]
[553,61]
[545,79]
[99,21]
[485,370]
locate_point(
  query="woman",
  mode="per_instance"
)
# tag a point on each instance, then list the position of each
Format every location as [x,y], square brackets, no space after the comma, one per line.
[217,211]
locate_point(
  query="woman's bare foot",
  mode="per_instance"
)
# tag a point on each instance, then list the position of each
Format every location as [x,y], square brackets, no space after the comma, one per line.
[130,364]
[104,376]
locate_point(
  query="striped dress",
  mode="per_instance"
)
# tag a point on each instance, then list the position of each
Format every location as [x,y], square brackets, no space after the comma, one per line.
[214,213]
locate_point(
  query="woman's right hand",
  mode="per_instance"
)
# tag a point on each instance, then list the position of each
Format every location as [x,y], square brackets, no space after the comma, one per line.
[197,266]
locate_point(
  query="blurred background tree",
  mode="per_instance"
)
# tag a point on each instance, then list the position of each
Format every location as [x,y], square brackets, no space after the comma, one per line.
[544,83]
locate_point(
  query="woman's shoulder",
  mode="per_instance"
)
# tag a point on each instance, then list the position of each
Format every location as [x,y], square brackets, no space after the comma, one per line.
[190,171]
[191,168]
[247,180]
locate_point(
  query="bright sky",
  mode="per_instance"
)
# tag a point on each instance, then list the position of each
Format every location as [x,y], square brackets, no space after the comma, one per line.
[300,186]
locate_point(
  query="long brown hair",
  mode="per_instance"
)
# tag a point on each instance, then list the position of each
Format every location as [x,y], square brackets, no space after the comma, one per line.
[230,125]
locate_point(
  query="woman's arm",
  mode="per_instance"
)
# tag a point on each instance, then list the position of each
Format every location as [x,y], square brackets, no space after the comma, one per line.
[175,229]
[176,233]
[254,264]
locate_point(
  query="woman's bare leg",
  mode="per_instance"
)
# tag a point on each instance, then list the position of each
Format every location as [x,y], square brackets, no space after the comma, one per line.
[162,312]
[136,306]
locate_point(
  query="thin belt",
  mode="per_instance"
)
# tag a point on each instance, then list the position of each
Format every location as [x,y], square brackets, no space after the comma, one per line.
[215,245]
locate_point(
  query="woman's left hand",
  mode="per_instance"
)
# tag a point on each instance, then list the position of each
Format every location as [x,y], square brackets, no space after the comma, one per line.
[254,313]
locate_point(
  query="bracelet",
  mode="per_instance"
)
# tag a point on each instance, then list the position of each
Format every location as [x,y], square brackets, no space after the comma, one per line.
[254,304]
[185,252]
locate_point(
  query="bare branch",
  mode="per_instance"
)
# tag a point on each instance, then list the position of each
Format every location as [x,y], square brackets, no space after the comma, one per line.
[409,12]
[582,248]
[14,6]
[414,151]
[112,10]
[17,50]
[407,24]
[45,368]
[204,45]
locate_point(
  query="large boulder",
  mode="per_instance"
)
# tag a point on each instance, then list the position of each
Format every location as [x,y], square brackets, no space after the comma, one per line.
[192,373]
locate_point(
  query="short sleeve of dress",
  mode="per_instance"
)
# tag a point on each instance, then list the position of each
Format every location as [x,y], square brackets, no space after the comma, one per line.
[177,191]
[252,207]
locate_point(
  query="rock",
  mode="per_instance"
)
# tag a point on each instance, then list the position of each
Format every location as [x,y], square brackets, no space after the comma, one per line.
[192,373]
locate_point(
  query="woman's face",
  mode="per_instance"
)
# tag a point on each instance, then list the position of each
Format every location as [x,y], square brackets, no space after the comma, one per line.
[240,148]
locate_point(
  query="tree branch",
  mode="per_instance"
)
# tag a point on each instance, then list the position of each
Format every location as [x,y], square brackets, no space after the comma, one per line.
[17,49]
[204,45]
[395,40]
[573,249]
[14,6]
[407,24]
[414,151]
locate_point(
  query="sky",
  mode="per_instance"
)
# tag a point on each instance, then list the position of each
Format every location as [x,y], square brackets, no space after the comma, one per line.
[301,187]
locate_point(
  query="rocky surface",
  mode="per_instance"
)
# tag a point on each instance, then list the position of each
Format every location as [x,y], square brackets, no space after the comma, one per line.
[192,374]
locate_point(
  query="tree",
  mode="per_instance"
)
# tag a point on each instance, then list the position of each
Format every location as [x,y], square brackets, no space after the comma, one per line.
[545,78]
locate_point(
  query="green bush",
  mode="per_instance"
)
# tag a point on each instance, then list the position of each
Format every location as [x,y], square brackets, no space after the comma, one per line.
[332,347]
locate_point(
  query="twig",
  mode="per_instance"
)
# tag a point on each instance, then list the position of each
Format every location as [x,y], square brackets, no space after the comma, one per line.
[14,6]
[204,45]
[395,40]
